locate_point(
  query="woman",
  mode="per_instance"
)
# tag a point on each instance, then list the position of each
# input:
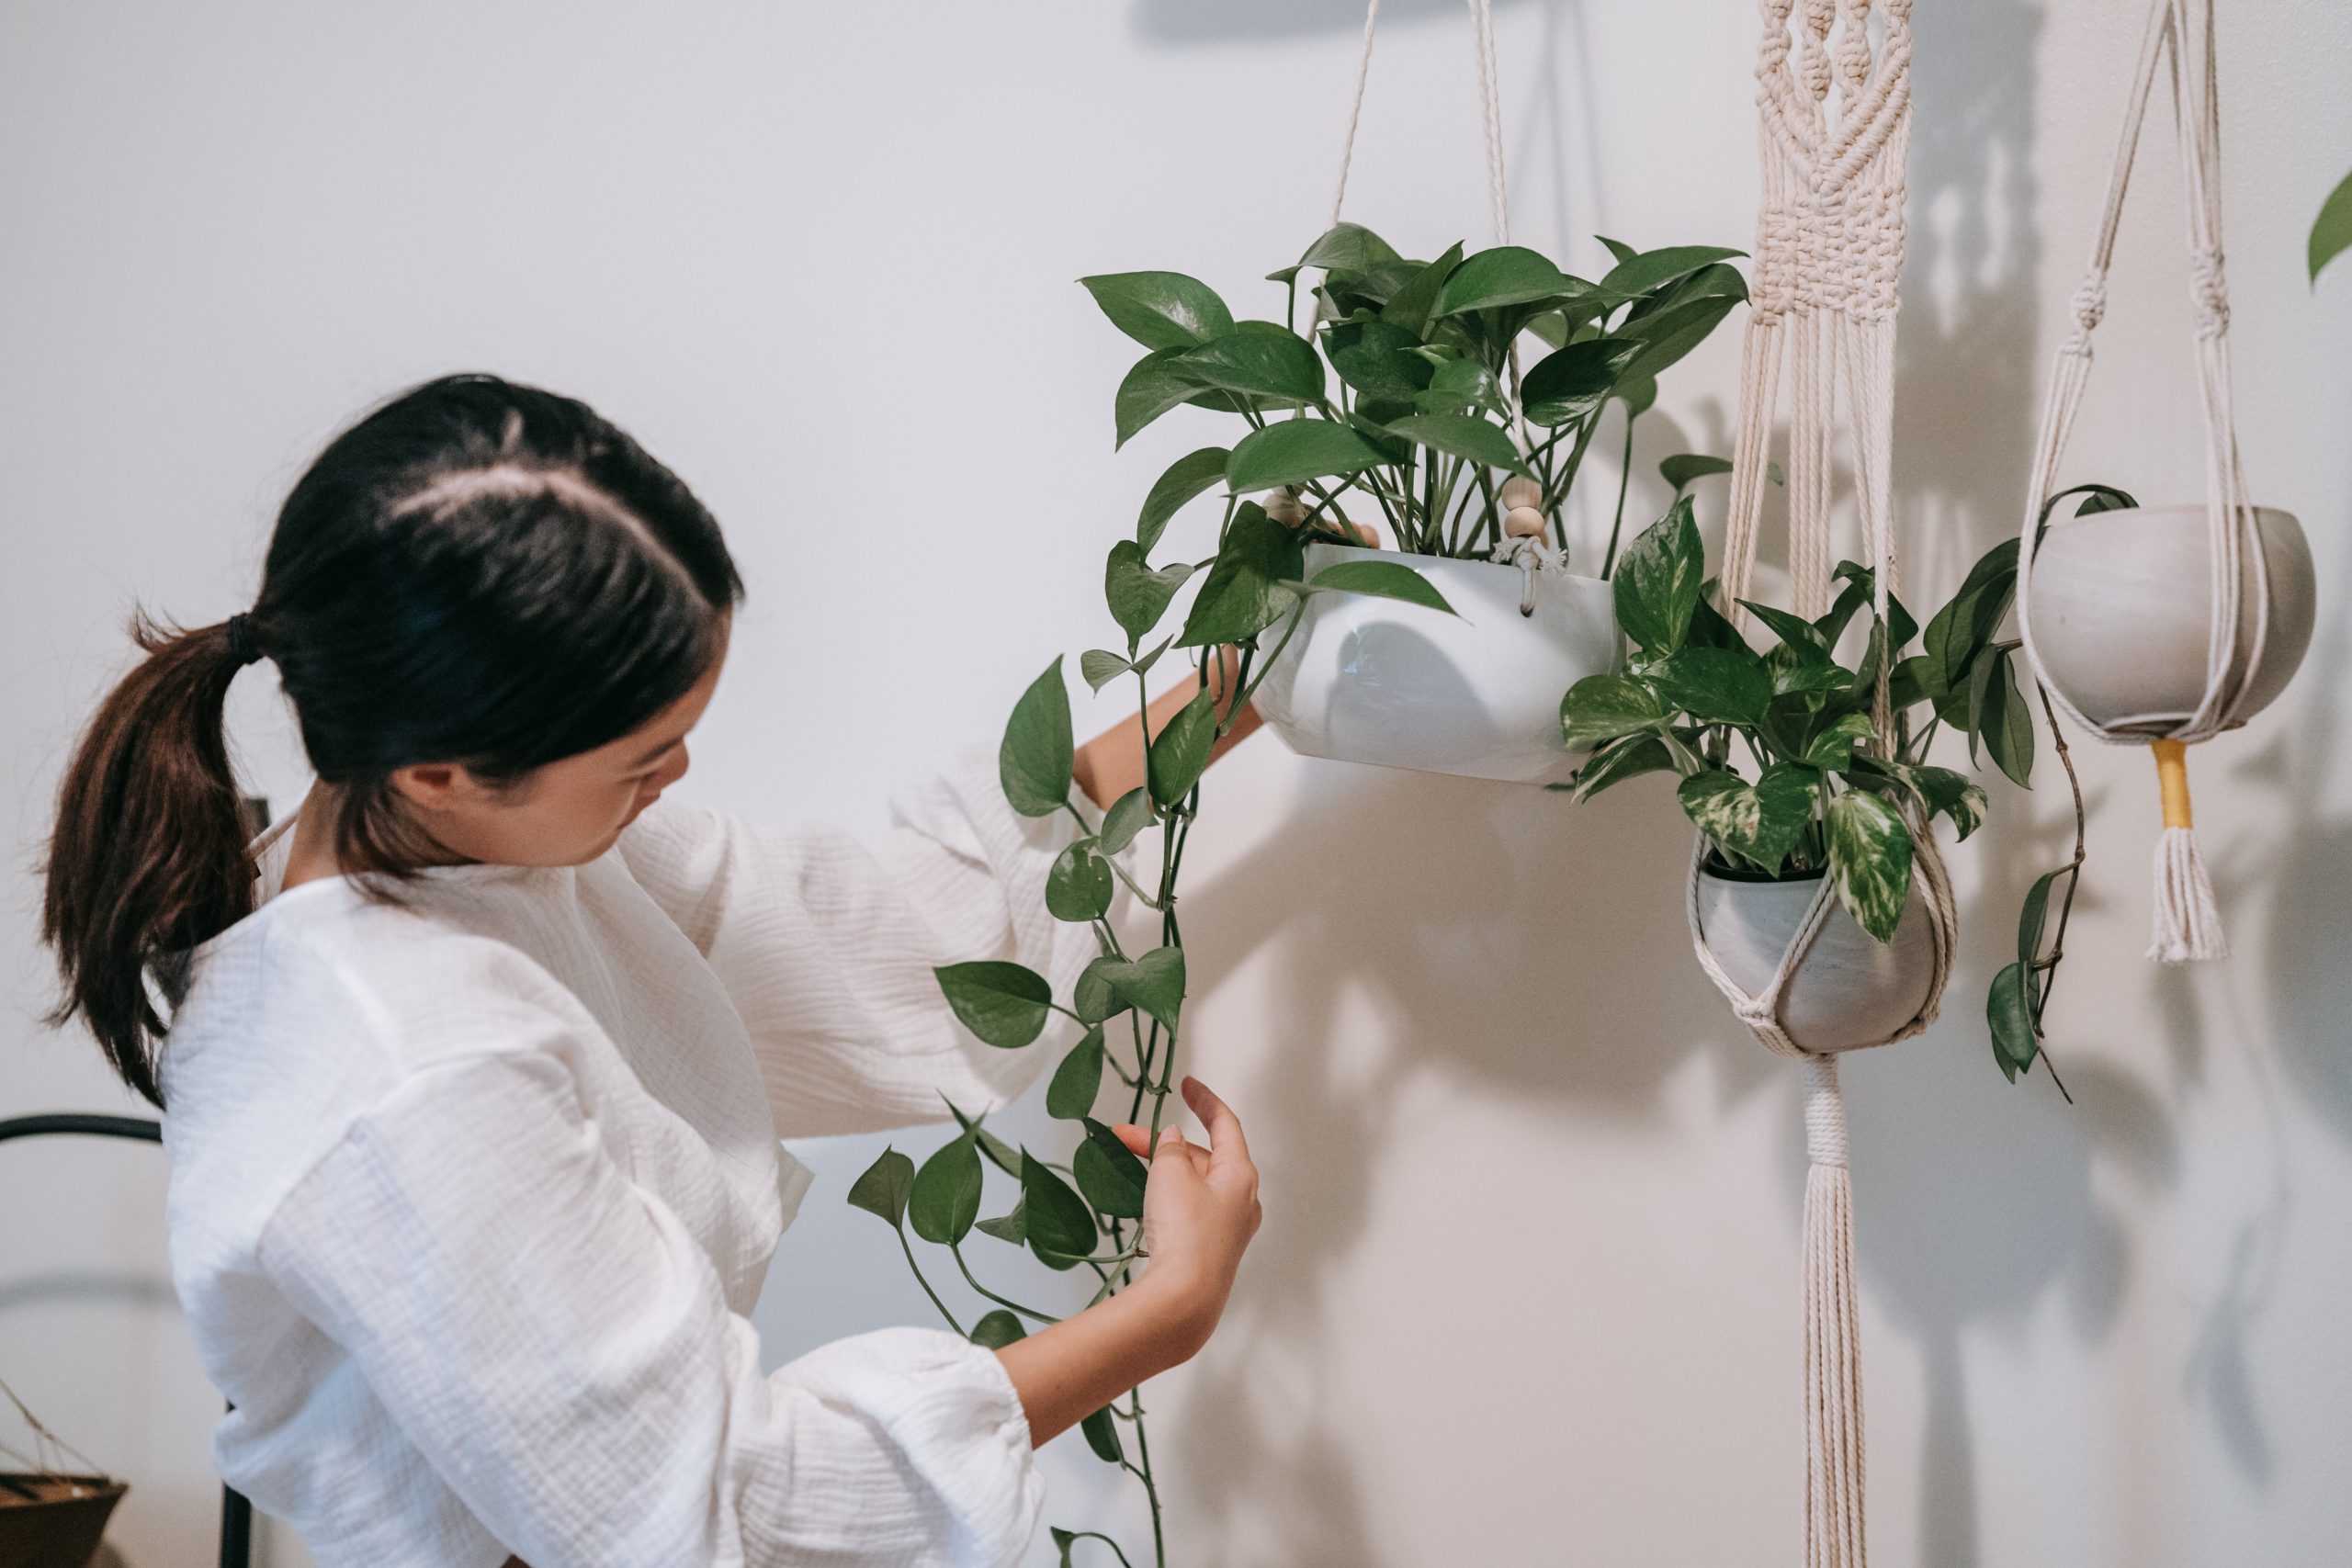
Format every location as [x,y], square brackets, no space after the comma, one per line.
[475,1089]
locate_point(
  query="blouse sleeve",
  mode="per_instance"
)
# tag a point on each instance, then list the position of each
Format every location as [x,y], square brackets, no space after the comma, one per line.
[826,944]
[552,1341]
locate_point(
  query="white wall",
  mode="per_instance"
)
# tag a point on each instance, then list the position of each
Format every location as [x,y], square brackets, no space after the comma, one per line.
[1527,1287]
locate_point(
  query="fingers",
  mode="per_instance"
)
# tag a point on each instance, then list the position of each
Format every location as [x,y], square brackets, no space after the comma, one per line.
[1171,1142]
[1225,1140]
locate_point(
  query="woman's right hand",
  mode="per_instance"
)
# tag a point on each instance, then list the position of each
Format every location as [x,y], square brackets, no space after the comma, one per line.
[1200,1209]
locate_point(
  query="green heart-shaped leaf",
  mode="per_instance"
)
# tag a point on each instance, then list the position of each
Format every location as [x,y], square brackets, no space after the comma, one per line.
[946,1197]
[1180,753]
[1379,579]
[1153,981]
[1714,685]
[1185,477]
[1507,275]
[1005,1004]
[884,1188]
[1602,707]
[1869,858]
[1573,382]
[1160,310]
[1109,1174]
[1060,1226]
[1293,451]
[1657,579]
[1078,886]
[1461,435]
[1070,1095]
[1275,367]
[1252,584]
[2008,1012]
[1034,760]
[997,1330]
[1129,815]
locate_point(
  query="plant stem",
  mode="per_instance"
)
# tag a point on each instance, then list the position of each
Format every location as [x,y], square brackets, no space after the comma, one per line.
[2073,869]
[1142,1453]
[1626,474]
[1553,498]
[956,1248]
[906,1248]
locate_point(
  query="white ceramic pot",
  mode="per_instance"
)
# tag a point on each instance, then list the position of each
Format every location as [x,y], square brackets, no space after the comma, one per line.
[1852,990]
[2121,607]
[1477,693]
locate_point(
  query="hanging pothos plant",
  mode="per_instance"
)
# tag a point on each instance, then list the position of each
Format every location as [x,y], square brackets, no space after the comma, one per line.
[1415,414]
[1780,769]
[1416,427]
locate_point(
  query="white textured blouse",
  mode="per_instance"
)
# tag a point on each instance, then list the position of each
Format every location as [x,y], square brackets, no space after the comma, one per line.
[470,1195]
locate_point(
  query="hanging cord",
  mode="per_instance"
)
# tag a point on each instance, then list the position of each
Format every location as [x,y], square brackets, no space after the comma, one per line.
[1828,255]
[1490,113]
[1482,22]
[49,1450]
[1355,110]
[2185,923]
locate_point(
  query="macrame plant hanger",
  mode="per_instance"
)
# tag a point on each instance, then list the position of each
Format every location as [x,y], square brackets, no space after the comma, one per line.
[2186,925]
[1836,131]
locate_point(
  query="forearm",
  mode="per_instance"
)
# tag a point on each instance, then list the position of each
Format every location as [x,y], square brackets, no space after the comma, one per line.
[1066,1371]
[1114,761]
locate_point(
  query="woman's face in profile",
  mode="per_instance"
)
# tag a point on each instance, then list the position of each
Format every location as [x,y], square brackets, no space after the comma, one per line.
[566,812]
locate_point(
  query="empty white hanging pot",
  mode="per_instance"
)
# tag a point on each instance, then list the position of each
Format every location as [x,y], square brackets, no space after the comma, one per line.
[2165,626]
[2121,614]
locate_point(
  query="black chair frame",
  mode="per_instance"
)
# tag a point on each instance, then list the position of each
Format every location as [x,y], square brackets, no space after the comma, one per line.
[236,1512]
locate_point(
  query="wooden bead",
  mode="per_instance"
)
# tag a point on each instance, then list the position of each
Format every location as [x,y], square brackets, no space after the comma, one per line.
[1283,507]
[1524,522]
[1518,493]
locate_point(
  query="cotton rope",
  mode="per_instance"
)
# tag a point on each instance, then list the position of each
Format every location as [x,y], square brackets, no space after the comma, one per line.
[1835,116]
[2187,926]
[1529,555]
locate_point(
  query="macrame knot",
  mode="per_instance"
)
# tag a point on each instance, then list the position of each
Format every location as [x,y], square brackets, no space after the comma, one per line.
[2091,308]
[2212,292]
[1531,554]
[1853,51]
[1824,1113]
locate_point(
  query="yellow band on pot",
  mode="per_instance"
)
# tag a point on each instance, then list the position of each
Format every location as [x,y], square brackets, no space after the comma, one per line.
[2172,777]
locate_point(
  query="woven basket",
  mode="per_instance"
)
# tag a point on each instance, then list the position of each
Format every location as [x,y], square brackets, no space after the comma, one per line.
[54,1521]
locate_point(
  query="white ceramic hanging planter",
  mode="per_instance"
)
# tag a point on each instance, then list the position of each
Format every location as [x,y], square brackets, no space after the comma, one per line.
[1476,692]
[1852,990]
[2121,610]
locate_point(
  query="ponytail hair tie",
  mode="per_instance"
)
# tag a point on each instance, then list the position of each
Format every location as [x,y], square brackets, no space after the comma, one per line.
[243,645]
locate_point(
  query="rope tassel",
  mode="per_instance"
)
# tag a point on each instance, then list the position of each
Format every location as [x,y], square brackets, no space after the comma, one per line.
[1833,1359]
[2188,924]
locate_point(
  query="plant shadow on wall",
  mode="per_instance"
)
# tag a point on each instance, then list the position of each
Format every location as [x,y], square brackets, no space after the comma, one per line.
[1459,938]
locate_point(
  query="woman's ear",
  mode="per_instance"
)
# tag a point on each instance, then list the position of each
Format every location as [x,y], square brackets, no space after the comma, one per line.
[438,788]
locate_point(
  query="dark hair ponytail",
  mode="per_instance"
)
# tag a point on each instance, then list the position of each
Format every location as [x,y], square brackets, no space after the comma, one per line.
[475,572]
[155,754]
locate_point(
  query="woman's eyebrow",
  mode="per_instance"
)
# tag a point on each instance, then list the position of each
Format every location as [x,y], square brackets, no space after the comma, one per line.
[655,752]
